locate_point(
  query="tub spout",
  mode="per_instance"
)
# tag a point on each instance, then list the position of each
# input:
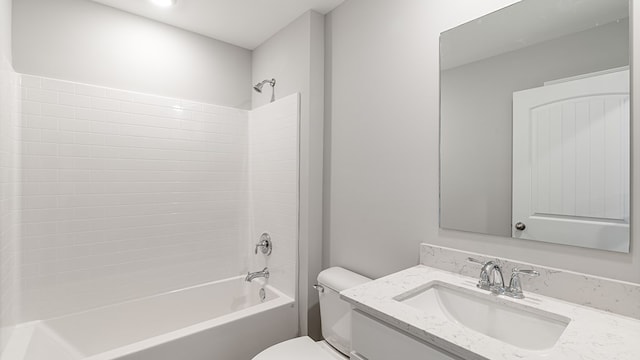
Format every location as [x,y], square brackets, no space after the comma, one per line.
[252,275]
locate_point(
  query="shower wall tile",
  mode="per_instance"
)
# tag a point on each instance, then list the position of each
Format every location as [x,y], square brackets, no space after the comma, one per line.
[9,203]
[273,164]
[126,195]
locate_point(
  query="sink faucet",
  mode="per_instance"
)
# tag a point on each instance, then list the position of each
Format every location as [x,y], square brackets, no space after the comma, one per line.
[252,275]
[491,278]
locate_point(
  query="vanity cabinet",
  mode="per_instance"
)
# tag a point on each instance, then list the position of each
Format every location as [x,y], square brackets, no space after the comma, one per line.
[374,340]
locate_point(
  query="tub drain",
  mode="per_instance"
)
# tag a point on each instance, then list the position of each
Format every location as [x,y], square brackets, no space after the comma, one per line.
[262,294]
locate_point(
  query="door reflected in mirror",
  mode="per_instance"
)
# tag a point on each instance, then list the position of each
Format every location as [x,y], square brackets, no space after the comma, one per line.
[534,123]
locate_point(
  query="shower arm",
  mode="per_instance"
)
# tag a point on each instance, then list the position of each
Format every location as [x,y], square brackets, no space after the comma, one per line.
[271,82]
[259,85]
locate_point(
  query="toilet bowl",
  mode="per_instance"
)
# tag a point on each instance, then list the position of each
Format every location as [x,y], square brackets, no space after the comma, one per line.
[335,316]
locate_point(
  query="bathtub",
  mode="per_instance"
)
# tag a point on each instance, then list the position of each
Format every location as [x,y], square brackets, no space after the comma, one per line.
[222,320]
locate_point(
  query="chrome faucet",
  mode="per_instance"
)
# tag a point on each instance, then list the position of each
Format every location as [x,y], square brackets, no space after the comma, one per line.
[491,278]
[252,275]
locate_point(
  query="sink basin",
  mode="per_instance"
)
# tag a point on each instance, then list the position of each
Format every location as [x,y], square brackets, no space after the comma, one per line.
[520,326]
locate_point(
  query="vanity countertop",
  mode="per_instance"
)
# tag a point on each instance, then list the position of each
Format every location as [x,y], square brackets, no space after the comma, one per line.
[591,334]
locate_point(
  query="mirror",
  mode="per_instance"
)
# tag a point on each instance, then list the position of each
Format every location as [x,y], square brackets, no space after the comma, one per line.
[534,123]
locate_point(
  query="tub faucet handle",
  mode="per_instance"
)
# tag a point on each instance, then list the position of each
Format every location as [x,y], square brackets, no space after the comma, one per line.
[264,244]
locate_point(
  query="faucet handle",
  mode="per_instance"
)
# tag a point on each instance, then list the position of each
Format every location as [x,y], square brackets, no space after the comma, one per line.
[265,244]
[531,273]
[515,285]
[475,261]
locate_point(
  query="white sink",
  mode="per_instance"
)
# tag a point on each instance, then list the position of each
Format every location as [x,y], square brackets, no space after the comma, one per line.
[518,325]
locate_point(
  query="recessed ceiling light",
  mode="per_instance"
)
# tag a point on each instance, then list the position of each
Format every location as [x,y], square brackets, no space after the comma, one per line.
[163,3]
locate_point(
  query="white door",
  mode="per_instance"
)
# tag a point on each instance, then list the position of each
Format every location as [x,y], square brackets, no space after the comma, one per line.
[571,162]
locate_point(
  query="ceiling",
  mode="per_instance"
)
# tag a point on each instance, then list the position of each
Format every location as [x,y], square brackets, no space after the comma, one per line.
[245,23]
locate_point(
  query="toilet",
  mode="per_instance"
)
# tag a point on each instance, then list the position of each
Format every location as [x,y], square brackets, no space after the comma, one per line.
[335,316]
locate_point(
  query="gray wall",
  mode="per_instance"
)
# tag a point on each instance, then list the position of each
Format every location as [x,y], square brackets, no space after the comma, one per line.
[476,138]
[82,41]
[5,32]
[9,182]
[381,194]
[295,58]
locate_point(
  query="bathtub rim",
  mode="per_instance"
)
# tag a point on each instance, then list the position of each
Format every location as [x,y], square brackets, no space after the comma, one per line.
[262,282]
[282,300]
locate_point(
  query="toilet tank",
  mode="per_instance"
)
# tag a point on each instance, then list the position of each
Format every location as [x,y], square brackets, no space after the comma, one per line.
[335,314]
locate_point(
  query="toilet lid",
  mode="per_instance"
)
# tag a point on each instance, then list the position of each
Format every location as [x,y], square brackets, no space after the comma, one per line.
[299,348]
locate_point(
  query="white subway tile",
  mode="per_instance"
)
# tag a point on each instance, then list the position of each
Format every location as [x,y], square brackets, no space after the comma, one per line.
[30,81]
[105,104]
[74,100]
[59,86]
[192,106]
[69,175]
[104,128]
[37,148]
[75,125]
[58,111]
[50,188]
[93,115]
[134,141]
[57,136]
[192,125]
[40,122]
[39,175]
[79,163]
[155,100]
[153,110]
[205,117]
[38,162]
[145,131]
[31,108]
[89,138]
[30,134]
[119,95]
[40,95]
[145,120]
[72,150]
[39,202]
[89,90]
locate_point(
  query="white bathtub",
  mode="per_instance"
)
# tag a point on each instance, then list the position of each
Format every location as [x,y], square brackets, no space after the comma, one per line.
[222,320]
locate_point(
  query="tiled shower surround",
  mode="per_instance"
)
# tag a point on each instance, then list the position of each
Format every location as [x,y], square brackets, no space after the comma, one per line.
[126,195]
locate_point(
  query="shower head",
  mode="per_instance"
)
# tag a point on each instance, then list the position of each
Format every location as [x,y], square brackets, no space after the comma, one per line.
[258,86]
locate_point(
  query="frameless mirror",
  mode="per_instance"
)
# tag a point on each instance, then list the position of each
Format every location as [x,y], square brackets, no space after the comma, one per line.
[534,123]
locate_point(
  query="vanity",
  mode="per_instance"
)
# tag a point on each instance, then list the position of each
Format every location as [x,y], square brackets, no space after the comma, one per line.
[428,313]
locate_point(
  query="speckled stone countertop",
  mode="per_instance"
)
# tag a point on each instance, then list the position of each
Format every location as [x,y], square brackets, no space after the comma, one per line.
[590,334]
